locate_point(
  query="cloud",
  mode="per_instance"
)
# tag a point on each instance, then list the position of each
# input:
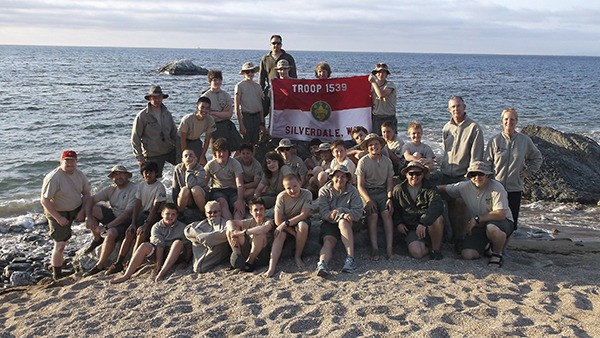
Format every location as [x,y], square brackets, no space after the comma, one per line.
[470,26]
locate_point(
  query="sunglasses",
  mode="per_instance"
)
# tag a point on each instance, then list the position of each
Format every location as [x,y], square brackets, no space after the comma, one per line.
[285,149]
[475,174]
[274,43]
[415,173]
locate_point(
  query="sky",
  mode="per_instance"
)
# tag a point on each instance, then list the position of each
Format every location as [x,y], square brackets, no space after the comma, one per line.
[532,27]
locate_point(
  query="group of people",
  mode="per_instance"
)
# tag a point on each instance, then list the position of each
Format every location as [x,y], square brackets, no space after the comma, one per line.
[253,208]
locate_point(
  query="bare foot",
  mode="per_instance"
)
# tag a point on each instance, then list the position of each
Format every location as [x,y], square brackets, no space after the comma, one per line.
[119,280]
[374,254]
[270,273]
[391,257]
[300,263]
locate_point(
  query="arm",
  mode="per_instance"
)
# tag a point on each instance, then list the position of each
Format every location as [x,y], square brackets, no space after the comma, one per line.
[202,159]
[239,205]
[494,215]
[369,206]
[237,108]
[381,94]
[136,141]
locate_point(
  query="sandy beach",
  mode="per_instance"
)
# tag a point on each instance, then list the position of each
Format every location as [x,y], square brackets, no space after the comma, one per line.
[545,288]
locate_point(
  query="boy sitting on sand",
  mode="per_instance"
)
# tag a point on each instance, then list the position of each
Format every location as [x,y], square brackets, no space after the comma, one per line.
[167,236]
[292,217]
[226,181]
[374,175]
[416,150]
[189,182]
[250,238]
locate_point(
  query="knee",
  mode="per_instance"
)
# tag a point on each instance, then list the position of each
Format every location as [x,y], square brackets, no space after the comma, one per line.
[329,242]
[417,249]
[112,234]
[302,227]
[197,191]
[344,225]
[469,254]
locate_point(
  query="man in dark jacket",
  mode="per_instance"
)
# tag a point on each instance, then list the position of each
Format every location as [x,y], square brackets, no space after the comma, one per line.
[418,213]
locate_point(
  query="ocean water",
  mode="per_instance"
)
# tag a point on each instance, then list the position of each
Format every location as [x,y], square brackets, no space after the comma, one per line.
[83,98]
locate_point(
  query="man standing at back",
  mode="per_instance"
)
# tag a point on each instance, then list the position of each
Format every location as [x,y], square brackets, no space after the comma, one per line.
[267,71]
[463,143]
[154,132]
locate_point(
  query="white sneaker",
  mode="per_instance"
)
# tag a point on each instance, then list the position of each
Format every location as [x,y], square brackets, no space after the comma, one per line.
[322,270]
[349,265]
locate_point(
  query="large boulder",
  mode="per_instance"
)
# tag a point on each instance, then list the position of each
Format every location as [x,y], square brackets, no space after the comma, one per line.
[570,171]
[183,67]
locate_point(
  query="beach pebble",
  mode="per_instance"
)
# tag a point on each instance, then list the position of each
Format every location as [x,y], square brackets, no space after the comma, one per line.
[13,267]
[21,278]
[15,228]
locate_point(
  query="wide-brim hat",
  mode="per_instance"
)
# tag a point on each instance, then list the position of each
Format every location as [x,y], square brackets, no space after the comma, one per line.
[248,66]
[68,155]
[480,167]
[119,169]
[379,67]
[415,164]
[324,147]
[155,91]
[371,137]
[283,64]
[284,143]
[342,168]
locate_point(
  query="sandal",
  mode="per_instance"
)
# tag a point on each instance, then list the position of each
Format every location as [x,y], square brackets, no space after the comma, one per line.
[496,263]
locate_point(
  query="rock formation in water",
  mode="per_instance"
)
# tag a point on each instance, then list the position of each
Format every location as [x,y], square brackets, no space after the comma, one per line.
[183,67]
[570,171]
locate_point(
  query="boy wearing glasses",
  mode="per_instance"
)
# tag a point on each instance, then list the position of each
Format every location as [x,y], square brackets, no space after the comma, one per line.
[490,221]
[384,97]
[418,213]
[285,149]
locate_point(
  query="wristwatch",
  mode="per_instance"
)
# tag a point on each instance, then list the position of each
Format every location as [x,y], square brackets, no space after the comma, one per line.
[476,218]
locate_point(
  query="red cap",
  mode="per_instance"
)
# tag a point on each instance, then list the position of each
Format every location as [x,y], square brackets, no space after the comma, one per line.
[68,154]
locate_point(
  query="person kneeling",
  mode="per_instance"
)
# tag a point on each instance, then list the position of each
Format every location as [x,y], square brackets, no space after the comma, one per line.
[339,206]
[166,236]
[418,212]
[250,238]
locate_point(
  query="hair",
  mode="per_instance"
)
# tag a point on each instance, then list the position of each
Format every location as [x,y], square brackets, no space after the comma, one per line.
[273,156]
[203,99]
[358,129]
[255,201]
[247,146]
[276,36]
[210,204]
[323,65]
[460,98]
[220,144]
[314,142]
[337,142]
[170,206]
[290,176]
[214,74]
[388,124]
[415,124]
[150,167]
[510,110]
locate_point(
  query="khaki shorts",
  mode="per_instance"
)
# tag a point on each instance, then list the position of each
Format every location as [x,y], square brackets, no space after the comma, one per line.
[58,232]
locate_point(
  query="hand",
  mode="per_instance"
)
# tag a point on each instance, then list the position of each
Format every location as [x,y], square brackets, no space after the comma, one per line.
[334,213]
[63,221]
[370,207]
[131,229]
[402,228]
[242,129]
[202,160]
[372,78]
[389,204]
[238,207]
[421,231]
[348,218]
[141,163]
[279,229]
[470,225]
[142,229]
[80,216]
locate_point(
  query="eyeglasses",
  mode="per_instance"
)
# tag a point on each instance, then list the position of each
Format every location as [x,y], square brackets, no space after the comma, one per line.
[415,173]
[274,43]
[211,212]
[475,174]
